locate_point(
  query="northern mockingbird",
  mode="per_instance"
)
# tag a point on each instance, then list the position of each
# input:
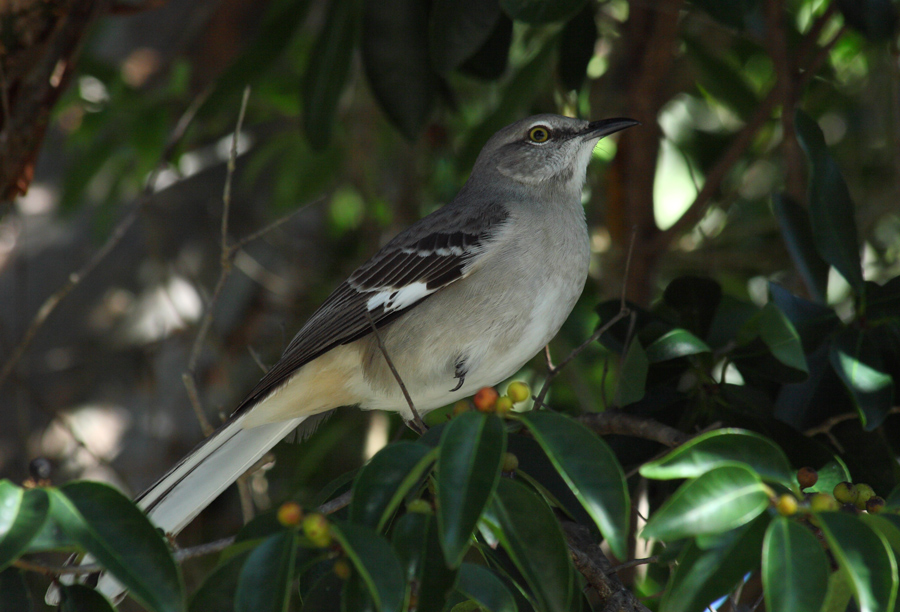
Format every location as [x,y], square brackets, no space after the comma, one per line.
[462,299]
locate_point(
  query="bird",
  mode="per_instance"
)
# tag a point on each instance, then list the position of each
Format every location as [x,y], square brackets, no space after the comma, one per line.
[461,300]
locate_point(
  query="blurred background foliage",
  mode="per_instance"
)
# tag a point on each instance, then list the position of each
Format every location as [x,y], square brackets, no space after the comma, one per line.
[366,115]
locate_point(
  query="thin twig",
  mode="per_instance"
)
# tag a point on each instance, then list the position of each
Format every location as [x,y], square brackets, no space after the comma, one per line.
[621,423]
[417,420]
[632,563]
[341,501]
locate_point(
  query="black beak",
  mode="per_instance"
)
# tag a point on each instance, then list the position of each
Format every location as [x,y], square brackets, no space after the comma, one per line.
[605,127]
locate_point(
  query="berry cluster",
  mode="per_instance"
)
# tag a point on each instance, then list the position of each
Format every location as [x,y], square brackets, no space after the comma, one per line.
[845,496]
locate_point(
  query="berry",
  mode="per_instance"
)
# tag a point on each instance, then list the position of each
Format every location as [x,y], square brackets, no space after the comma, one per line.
[419,505]
[864,494]
[317,530]
[460,407]
[341,569]
[504,405]
[822,502]
[875,504]
[289,514]
[807,477]
[509,464]
[518,391]
[485,399]
[845,492]
[786,505]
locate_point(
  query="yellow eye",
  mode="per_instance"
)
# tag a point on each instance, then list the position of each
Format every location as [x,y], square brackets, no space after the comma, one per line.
[539,134]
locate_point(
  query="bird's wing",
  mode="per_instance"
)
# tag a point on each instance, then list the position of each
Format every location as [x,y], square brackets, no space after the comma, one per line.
[400,276]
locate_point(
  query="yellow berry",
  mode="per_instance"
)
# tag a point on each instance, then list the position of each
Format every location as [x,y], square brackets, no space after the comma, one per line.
[845,492]
[822,502]
[807,477]
[317,530]
[342,569]
[863,494]
[485,399]
[518,391]
[419,505]
[875,504]
[504,405]
[786,505]
[510,463]
[289,514]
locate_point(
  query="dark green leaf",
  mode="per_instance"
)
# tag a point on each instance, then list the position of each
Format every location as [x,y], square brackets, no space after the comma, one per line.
[459,28]
[831,208]
[14,595]
[721,80]
[866,556]
[883,301]
[830,474]
[576,47]
[417,546]
[530,534]
[722,447]
[490,60]
[811,320]
[858,363]
[876,19]
[482,585]
[375,562]
[22,516]
[325,595]
[694,300]
[381,484]
[704,574]
[719,500]
[327,70]
[397,62]
[110,527]
[468,469]
[79,598]
[839,593]
[734,13]
[632,375]
[794,568]
[266,577]
[797,232]
[355,596]
[674,344]
[782,339]
[537,12]
[591,471]
[217,593]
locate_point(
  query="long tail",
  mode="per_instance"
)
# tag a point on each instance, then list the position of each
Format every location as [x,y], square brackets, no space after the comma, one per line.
[198,479]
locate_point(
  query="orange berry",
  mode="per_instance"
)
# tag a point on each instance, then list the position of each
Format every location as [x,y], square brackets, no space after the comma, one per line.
[289,514]
[485,399]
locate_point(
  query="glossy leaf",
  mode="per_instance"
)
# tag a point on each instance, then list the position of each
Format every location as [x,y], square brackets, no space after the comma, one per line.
[704,574]
[381,484]
[376,563]
[796,230]
[674,344]
[831,208]
[781,338]
[538,12]
[266,577]
[414,540]
[632,375]
[591,471]
[80,598]
[482,585]
[722,447]
[830,474]
[23,514]
[459,28]
[327,70]
[839,593]
[794,568]
[110,527]
[531,536]
[468,469]
[866,556]
[719,500]
[812,321]
[397,62]
[14,595]
[217,593]
[858,364]
[576,47]
[491,59]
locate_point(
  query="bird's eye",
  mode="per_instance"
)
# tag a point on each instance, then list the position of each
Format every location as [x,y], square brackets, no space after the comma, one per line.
[539,134]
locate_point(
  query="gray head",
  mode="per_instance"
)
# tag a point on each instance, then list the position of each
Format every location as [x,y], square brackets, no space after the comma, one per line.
[546,148]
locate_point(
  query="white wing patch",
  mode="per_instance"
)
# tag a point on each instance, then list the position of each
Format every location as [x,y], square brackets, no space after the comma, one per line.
[391,298]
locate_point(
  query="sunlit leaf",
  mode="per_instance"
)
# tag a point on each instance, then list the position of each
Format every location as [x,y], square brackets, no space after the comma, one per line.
[858,364]
[674,344]
[23,514]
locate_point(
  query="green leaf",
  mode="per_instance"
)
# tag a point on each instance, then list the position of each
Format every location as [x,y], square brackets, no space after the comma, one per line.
[468,469]
[217,593]
[381,484]
[531,536]
[23,514]
[394,49]
[376,563]
[576,47]
[779,335]
[490,60]
[14,595]
[840,590]
[794,568]
[812,321]
[735,13]
[79,598]
[830,474]
[327,70]
[723,447]
[266,577]
[694,299]
[459,28]
[722,80]
[883,301]
[866,556]
[122,539]
[416,543]
[632,375]
[858,363]
[591,471]
[674,344]
[796,229]
[538,12]
[482,585]
[831,208]
[719,500]
[704,574]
